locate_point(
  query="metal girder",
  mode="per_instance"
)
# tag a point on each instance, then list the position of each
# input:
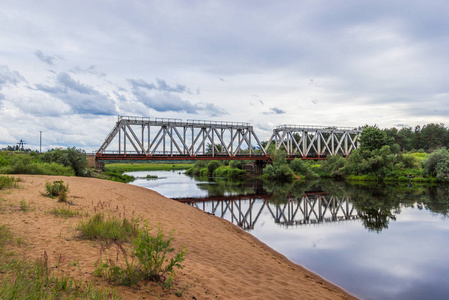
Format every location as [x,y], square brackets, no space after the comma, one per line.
[314,141]
[225,140]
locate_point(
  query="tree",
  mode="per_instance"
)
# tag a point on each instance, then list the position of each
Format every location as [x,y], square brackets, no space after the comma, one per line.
[373,138]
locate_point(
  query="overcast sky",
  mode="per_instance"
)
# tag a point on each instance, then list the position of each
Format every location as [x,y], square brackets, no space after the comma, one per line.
[69,68]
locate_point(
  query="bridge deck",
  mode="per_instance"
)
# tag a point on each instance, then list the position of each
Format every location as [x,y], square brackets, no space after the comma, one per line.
[262,157]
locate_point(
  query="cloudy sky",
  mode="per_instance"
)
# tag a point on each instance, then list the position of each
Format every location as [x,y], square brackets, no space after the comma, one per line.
[69,68]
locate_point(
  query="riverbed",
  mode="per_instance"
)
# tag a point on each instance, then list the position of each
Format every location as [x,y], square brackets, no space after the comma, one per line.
[376,242]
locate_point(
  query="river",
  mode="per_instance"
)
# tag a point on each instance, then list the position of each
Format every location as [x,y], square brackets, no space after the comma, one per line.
[375,241]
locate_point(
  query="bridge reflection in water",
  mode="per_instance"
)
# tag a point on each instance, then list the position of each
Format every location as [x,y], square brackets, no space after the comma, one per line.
[245,210]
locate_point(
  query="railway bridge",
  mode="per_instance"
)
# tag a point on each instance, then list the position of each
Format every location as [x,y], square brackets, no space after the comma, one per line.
[140,138]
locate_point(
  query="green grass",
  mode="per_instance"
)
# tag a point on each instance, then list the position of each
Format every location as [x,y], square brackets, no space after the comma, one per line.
[24,206]
[6,237]
[26,279]
[150,260]
[111,229]
[129,167]
[9,182]
[118,177]
[64,212]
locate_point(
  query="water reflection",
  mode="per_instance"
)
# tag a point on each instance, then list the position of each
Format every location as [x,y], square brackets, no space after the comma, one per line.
[245,210]
[376,241]
[296,204]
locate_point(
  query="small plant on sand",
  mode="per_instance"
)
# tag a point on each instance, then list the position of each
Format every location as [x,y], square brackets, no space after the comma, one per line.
[149,260]
[64,212]
[57,189]
[24,206]
[111,229]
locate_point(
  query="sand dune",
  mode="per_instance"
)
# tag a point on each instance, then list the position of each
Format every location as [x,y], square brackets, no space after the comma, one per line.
[223,262]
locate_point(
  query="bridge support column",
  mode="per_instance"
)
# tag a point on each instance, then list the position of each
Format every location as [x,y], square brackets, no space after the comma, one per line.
[259,165]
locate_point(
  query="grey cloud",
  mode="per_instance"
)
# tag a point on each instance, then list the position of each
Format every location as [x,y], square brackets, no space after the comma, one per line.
[275,110]
[401,125]
[8,76]
[314,101]
[90,70]
[138,83]
[161,86]
[45,58]
[165,102]
[164,98]
[213,110]
[82,99]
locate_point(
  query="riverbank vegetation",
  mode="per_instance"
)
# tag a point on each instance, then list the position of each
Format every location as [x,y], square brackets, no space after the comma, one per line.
[382,156]
[64,162]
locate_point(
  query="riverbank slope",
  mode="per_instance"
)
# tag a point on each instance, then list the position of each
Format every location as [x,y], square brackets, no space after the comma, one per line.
[223,262]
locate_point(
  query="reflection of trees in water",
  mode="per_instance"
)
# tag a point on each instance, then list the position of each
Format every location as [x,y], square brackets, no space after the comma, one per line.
[223,187]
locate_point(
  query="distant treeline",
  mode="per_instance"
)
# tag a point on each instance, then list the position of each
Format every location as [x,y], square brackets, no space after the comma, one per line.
[421,139]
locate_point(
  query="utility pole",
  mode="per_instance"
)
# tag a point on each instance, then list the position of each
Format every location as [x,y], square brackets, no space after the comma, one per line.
[40,142]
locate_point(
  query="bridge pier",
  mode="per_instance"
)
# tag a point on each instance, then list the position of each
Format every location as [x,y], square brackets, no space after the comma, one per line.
[259,165]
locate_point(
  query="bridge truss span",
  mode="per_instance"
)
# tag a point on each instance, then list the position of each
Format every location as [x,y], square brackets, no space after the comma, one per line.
[315,141]
[136,138]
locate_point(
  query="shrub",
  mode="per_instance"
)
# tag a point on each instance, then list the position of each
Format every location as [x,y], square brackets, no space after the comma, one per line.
[439,156]
[70,157]
[57,189]
[212,166]
[149,260]
[334,165]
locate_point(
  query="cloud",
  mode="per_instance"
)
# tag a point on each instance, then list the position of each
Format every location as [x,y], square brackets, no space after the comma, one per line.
[45,58]
[90,70]
[275,110]
[9,77]
[164,98]
[81,98]
[165,102]
[161,86]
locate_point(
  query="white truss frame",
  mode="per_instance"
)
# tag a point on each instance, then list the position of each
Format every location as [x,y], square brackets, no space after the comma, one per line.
[304,141]
[174,137]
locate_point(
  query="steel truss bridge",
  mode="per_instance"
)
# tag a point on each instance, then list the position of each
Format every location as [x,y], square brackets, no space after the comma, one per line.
[245,210]
[138,138]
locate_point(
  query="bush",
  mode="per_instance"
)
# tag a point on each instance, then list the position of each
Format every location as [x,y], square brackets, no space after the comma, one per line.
[70,157]
[301,167]
[334,165]
[57,189]
[212,166]
[149,260]
[24,164]
[439,156]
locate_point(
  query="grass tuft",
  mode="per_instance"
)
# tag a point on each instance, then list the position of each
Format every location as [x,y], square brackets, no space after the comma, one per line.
[25,279]
[9,182]
[65,212]
[111,229]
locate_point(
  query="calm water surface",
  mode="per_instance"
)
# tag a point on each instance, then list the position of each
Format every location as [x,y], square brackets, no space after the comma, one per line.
[376,242]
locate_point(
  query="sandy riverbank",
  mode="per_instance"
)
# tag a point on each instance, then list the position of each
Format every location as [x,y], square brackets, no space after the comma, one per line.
[223,262]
